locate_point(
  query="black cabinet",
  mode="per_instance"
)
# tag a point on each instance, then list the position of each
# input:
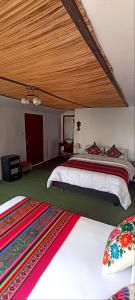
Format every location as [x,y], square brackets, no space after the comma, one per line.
[10,166]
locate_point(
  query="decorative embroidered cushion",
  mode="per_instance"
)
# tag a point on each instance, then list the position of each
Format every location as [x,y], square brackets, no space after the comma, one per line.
[123,155]
[120,247]
[93,149]
[126,293]
[113,152]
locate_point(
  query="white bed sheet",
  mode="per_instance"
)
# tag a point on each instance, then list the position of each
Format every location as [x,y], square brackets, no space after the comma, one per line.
[94,180]
[75,272]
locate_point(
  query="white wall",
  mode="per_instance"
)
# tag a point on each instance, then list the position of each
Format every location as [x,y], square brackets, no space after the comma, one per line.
[12,130]
[107,126]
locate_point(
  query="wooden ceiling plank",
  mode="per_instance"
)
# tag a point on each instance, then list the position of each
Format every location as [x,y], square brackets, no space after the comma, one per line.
[41,90]
[69,103]
[42,47]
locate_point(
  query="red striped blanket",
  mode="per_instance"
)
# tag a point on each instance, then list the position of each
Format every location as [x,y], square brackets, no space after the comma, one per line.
[97,167]
[31,233]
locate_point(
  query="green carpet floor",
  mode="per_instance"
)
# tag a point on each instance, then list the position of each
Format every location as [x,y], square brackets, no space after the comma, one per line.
[33,184]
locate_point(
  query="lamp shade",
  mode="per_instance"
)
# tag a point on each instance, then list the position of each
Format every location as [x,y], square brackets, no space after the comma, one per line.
[36,101]
[24,101]
[77,146]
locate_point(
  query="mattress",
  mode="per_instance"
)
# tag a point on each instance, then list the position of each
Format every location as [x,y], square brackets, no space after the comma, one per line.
[94,180]
[75,272]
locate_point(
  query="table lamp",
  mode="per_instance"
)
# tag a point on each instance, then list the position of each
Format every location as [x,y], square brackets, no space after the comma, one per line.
[77,146]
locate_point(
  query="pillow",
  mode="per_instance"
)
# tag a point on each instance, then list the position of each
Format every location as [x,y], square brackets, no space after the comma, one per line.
[123,155]
[120,247]
[113,152]
[93,149]
[126,293]
[133,275]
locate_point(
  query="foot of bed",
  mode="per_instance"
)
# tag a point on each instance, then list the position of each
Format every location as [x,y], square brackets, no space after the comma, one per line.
[116,202]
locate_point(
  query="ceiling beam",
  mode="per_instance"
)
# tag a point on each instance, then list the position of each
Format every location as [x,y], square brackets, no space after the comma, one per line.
[77,18]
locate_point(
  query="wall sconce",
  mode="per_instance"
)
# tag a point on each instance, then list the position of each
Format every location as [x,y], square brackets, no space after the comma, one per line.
[78,125]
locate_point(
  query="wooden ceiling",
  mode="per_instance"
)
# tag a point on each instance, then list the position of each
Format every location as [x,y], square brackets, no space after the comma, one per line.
[50,44]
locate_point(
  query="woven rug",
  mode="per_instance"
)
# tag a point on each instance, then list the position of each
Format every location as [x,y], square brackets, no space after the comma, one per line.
[31,233]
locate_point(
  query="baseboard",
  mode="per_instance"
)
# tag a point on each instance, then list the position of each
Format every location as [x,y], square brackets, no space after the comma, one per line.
[42,162]
[38,164]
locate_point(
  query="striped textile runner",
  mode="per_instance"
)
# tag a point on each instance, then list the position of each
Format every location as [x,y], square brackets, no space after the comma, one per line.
[96,167]
[31,233]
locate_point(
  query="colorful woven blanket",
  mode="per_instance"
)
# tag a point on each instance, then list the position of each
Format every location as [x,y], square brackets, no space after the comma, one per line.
[97,167]
[31,233]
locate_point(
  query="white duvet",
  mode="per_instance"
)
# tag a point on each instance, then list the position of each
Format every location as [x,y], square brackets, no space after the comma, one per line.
[75,272]
[98,181]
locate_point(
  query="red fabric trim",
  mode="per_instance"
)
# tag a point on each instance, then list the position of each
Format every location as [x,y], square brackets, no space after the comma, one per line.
[22,217]
[94,149]
[95,167]
[13,233]
[5,213]
[113,152]
[30,282]
[27,249]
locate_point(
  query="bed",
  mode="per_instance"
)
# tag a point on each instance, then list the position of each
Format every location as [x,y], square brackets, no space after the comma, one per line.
[75,272]
[113,179]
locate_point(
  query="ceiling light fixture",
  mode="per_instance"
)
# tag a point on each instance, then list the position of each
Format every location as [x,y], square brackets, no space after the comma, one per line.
[25,101]
[30,96]
[36,101]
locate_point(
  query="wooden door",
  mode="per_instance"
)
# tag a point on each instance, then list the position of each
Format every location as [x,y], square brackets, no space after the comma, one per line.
[34,138]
